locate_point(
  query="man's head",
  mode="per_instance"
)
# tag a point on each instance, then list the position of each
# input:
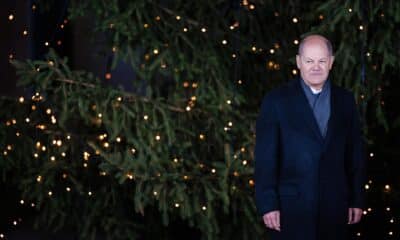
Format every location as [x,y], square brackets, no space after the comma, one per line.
[314,60]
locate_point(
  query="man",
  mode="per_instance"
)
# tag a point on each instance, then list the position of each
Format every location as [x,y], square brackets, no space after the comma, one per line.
[309,154]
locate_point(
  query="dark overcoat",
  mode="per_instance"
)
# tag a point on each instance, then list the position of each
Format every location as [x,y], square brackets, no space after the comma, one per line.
[312,180]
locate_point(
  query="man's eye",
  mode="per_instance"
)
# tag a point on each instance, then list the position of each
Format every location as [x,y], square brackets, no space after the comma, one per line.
[322,61]
[308,61]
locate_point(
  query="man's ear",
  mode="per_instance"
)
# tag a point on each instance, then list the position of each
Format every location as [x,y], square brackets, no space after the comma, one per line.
[332,60]
[298,61]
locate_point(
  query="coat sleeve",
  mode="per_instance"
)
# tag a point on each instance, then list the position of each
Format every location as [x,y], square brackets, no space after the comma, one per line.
[266,158]
[356,160]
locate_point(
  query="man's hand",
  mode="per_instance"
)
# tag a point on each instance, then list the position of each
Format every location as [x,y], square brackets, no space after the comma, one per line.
[272,220]
[354,215]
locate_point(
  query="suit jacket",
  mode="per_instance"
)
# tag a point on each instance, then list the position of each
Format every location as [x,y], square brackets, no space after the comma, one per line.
[312,180]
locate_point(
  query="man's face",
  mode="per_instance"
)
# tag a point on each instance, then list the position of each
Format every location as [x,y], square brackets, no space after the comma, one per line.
[314,63]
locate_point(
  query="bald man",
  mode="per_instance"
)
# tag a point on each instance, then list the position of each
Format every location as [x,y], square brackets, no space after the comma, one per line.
[309,154]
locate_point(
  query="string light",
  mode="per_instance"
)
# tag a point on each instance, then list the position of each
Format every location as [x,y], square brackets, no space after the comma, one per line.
[10,17]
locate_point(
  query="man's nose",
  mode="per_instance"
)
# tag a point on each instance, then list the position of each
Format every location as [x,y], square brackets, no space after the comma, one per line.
[316,67]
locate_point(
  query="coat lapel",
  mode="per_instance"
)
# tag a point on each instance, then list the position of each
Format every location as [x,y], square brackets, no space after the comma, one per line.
[333,116]
[304,110]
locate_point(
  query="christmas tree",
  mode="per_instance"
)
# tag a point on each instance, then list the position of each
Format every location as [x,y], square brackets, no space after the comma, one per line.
[174,147]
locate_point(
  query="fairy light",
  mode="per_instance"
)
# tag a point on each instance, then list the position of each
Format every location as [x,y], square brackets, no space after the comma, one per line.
[50,193]
[133,150]
[10,17]
[204,208]
[90,193]
[185,29]
[86,156]
[21,99]
[146,117]
[295,20]
[68,189]
[155,51]
[203,30]
[158,137]
[251,182]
